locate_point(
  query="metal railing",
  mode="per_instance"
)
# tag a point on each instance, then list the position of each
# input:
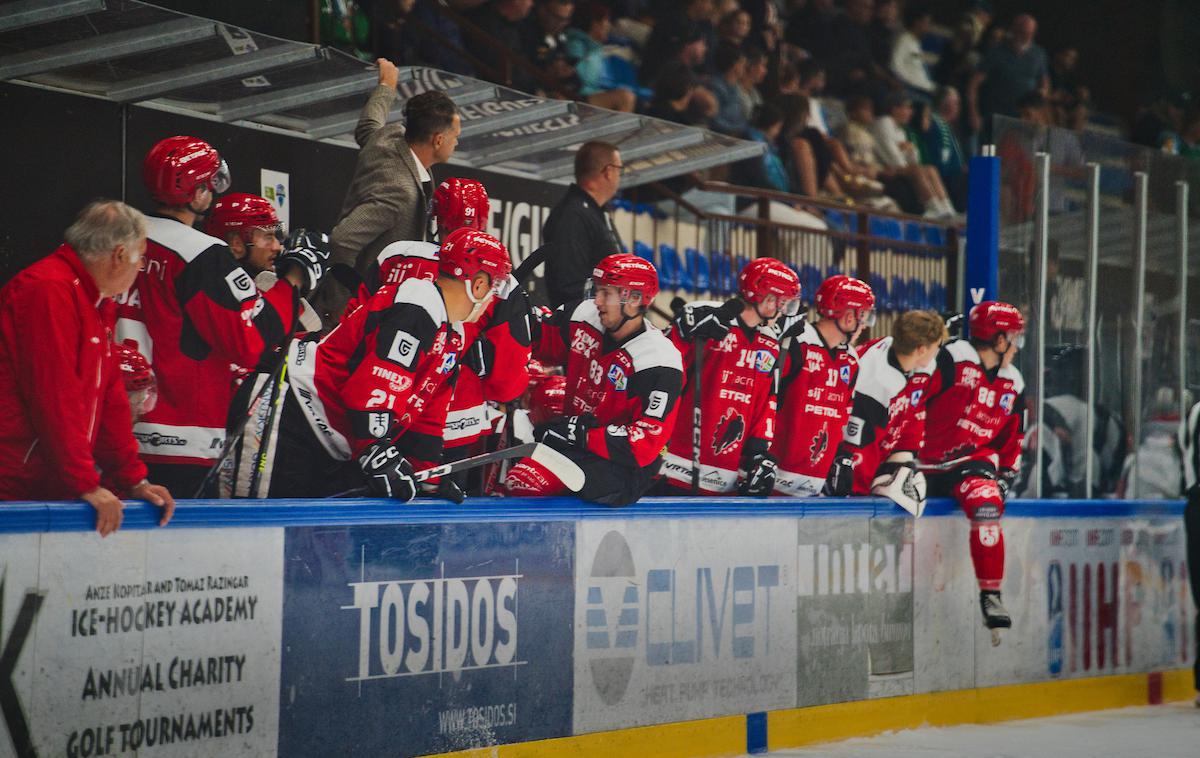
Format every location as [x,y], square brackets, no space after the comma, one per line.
[911,262]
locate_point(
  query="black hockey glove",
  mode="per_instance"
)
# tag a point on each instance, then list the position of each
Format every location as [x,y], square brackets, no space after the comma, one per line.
[308,251]
[480,357]
[443,489]
[841,476]
[388,473]
[568,431]
[702,322]
[758,476]
[1005,481]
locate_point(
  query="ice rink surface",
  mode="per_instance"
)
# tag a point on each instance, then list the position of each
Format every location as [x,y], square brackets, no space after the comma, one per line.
[1158,731]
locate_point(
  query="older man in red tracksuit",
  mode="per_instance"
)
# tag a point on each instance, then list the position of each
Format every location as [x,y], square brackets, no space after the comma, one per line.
[64,415]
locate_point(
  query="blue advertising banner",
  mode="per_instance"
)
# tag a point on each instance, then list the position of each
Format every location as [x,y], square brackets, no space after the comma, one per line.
[405,640]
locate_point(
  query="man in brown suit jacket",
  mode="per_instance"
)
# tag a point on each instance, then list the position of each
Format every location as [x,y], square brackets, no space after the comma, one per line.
[391,189]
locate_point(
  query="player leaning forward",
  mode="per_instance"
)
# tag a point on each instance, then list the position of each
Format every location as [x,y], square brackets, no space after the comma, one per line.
[736,378]
[623,383]
[973,434]
[369,400]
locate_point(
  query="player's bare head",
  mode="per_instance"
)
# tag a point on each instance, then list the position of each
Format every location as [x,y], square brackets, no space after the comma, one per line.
[914,330]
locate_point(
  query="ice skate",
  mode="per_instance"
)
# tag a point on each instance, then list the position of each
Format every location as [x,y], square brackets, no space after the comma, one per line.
[995,617]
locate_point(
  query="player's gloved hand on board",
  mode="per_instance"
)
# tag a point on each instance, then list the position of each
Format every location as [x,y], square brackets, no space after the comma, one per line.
[443,489]
[480,357]
[841,476]
[702,322]
[569,431]
[388,473]
[307,251]
[902,483]
[758,476]
[1005,480]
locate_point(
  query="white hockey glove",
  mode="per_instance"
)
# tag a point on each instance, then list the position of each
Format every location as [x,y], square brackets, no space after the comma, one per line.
[902,484]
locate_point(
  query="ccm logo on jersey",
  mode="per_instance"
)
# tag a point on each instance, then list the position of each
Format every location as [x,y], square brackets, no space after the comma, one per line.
[404,349]
[657,405]
[240,284]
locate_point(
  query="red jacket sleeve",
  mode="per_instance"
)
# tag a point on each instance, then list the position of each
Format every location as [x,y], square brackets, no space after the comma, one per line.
[50,382]
[116,448]
[229,312]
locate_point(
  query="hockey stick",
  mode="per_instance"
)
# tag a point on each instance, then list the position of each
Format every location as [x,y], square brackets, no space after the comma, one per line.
[276,401]
[567,471]
[727,311]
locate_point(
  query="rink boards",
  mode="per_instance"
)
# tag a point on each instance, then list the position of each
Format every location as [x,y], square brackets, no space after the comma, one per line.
[373,629]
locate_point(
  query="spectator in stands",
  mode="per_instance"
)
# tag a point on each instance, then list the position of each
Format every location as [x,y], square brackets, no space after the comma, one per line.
[942,148]
[1007,73]
[852,67]
[901,156]
[731,117]
[859,139]
[503,21]
[441,39]
[885,27]
[585,45]
[812,27]
[766,171]
[908,60]
[734,28]
[392,186]
[1189,134]
[1065,83]
[805,152]
[399,41]
[750,86]
[578,231]
[65,422]
[545,44]
[690,26]
[679,97]
[1158,126]
[811,84]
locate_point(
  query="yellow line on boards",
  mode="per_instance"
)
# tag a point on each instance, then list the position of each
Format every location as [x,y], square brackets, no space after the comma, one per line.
[796,727]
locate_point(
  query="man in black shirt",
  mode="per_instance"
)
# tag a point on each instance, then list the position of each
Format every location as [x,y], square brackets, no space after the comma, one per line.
[578,233]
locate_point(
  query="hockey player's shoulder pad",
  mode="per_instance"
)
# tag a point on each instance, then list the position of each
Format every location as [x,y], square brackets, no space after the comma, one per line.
[410,325]
[408,249]
[185,241]
[583,311]
[1013,374]
[878,378]
[960,351]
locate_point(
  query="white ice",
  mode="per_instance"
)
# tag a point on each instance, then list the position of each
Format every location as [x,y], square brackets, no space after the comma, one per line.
[1161,731]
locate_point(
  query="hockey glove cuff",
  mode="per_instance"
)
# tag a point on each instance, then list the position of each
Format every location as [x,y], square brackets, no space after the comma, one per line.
[702,322]
[1005,479]
[840,480]
[308,251]
[570,431]
[481,357]
[758,476]
[388,473]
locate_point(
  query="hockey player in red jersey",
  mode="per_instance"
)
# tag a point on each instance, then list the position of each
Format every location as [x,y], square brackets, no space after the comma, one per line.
[816,390]
[496,347]
[737,386]
[194,314]
[361,398]
[973,433]
[887,422]
[623,383]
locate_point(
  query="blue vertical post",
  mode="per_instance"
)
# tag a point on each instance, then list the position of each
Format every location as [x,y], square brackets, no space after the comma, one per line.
[982,274]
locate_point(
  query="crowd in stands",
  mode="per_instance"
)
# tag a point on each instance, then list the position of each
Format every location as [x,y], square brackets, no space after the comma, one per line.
[865,101]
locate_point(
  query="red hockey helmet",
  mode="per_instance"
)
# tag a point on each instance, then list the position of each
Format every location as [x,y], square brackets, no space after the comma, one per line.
[176,166]
[468,251]
[548,399]
[137,377]
[766,276]
[992,317]
[461,202]
[627,272]
[241,213]
[842,293]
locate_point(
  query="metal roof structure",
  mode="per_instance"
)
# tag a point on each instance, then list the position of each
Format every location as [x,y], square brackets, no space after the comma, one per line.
[137,53]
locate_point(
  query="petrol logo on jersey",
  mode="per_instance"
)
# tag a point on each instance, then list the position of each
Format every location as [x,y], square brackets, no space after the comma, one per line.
[730,430]
[616,375]
[1007,400]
